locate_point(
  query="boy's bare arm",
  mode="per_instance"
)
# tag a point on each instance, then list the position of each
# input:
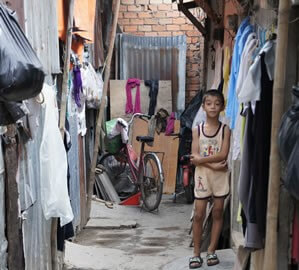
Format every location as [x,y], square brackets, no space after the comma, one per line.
[221,156]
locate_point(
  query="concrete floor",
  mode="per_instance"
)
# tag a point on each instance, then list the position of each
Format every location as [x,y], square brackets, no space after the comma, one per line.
[129,238]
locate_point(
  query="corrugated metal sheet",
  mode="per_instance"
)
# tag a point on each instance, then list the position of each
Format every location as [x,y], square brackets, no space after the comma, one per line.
[36,229]
[3,241]
[42,31]
[155,58]
[73,161]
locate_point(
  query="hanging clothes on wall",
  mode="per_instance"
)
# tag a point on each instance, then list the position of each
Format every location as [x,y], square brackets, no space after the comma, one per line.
[153,93]
[226,70]
[244,31]
[218,65]
[132,83]
[254,173]
[245,63]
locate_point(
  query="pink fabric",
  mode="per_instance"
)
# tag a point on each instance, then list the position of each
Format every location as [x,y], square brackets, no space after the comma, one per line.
[170,124]
[132,83]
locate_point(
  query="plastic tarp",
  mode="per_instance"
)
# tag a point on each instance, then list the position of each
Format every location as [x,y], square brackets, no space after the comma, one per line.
[3,241]
[288,139]
[21,74]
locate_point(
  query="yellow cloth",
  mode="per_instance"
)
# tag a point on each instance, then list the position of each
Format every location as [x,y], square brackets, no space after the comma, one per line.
[226,70]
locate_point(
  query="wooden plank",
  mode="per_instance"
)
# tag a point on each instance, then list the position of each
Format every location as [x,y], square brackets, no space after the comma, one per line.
[162,143]
[15,259]
[190,16]
[118,98]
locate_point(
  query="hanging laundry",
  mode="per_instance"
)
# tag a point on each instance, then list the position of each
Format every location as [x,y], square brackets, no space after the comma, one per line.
[226,70]
[295,237]
[153,93]
[132,83]
[245,63]
[170,124]
[254,172]
[77,85]
[232,104]
[218,66]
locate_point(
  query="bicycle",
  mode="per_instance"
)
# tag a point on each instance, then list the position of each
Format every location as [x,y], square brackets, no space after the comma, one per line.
[145,173]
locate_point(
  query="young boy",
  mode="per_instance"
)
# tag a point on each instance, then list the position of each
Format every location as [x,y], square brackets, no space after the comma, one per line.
[210,148]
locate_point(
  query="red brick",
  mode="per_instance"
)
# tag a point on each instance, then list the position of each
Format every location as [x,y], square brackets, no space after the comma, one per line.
[137,33]
[173,27]
[130,28]
[195,39]
[135,8]
[137,21]
[152,7]
[164,34]
[124,21]
[159,28]
[120,15]
[189,39]
[174,7]
[173,14]
[165,21]
[179,21]
[150,21]
[145,28]
[193,87]
[130,15]
[177,33]
[123,8]
[159,14]
[164,7]
[156,1]
[144,15]
[142,2]
[150,34]
[187,27]
[128,2]
[193,33]
[192,73]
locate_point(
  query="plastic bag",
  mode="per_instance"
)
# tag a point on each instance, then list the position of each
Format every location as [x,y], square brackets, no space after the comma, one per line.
[92,86]
[289,128]
[288,143]
[113,142]
[292,179]
[21,74]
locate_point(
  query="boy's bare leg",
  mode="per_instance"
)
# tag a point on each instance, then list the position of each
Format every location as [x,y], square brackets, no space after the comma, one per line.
[217,223]
[199,216]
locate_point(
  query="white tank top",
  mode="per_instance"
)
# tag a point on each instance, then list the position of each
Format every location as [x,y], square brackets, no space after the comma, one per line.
[210,145]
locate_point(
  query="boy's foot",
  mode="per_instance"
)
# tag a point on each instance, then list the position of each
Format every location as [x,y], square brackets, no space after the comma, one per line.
[212,259]
[195,262]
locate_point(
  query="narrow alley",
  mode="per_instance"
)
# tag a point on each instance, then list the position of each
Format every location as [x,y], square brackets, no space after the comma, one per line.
[130,238]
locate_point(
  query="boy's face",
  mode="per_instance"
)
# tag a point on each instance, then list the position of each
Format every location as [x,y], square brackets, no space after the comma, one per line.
[213,106]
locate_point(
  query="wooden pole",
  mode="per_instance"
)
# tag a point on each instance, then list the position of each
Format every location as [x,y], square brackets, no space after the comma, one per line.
[270,259]
[66,67]
[101,112]
[67,57]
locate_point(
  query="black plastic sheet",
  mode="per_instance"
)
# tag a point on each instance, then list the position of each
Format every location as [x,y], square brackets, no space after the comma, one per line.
[288,141]
[21,73]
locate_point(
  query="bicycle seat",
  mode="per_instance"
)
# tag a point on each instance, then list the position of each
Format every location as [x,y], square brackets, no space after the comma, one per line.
[145,139]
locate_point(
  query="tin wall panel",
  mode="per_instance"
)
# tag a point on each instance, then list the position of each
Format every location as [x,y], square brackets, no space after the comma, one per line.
[155,58]
[42,31]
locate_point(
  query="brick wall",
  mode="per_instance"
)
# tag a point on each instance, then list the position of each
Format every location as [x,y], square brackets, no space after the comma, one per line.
[162,18]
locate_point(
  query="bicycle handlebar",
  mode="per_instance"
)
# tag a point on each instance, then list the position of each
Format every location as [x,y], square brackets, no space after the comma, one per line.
[140,115]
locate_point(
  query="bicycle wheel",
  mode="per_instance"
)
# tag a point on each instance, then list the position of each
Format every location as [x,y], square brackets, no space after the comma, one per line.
[151,182]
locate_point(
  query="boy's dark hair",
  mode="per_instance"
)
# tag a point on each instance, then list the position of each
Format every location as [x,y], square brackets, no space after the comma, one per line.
[214,93]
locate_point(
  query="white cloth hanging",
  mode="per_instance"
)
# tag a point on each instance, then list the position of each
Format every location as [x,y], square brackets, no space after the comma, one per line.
[53,164]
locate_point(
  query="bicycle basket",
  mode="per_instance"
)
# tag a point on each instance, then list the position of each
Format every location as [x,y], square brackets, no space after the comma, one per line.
[112,144]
